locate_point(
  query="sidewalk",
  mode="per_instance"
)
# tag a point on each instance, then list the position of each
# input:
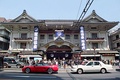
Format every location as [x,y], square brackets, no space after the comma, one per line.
[61,69]
[117,68]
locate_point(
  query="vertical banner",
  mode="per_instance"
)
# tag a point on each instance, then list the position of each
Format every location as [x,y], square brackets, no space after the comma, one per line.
[82,38]
[35,41]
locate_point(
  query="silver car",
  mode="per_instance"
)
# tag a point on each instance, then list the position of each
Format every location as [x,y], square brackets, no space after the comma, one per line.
[92,66]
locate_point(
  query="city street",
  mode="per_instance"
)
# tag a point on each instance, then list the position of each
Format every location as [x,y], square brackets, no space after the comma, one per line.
[63,74]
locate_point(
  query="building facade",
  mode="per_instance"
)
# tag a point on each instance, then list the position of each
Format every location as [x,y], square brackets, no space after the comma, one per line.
[4,38]
[114,39]
[61,38]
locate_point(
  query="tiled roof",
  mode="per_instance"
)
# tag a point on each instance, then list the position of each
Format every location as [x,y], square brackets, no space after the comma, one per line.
[2,19]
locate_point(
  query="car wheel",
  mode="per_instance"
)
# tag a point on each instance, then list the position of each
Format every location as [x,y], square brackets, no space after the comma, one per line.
[5,65]
[49,71]
[79,71]
[27,70]
[103,71]
[18,66]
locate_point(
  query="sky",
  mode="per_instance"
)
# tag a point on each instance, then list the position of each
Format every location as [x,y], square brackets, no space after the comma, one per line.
[60,9]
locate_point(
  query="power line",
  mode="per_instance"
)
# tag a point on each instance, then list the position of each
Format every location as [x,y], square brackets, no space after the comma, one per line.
[79,8]
[87,6]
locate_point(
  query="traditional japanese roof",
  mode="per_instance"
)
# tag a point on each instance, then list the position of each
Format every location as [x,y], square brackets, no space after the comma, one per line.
[24,17]
[2,19]
[93,17]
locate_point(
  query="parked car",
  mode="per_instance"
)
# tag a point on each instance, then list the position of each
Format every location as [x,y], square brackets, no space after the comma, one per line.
[20,64]
[92,66]
[9,62]
[40,67]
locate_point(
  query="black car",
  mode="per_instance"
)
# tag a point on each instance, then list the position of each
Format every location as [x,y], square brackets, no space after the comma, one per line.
[11,62]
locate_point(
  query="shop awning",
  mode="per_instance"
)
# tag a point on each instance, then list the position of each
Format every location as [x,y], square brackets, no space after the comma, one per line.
[97,55]
[110,52]
[7,51]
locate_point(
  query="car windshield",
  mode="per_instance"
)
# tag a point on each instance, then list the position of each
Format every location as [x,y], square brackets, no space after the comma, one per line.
[42,64]
[84,62]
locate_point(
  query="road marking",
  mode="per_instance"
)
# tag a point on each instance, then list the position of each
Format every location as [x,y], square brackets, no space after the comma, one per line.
[22,76]
[49,77]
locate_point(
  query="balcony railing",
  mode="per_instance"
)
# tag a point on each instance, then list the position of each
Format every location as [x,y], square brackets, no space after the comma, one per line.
[117,39]
[116,47]
[23,39]
[94,39]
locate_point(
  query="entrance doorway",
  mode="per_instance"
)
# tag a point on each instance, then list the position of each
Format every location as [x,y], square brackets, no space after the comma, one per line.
[59,52]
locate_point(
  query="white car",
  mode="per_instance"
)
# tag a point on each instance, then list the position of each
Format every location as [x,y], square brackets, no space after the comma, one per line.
[92,66]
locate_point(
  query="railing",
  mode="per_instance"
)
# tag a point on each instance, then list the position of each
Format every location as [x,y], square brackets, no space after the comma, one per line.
[22,39]
[94,39]
[116,39]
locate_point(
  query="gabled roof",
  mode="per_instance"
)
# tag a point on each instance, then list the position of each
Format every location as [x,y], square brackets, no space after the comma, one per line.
[2,19]
[93,17]
[24,17]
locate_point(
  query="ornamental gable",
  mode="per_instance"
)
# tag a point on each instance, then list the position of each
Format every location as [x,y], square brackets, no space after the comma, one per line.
[24,17]
[93,17]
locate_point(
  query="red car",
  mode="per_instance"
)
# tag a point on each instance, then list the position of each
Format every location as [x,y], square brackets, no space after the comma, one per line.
[40,67]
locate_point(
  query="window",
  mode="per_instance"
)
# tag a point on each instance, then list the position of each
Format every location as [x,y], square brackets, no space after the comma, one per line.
[23,35]
[24,27]
[95,45]
[40,64]
[67,36]
[50,36]
[23,45]
[118,44]
[117,36]
[93,28]
[94,35]
[90,64]
[75,36]
[96,63]
[42,36]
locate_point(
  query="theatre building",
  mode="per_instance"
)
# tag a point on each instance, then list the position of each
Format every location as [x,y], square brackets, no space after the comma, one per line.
[60,38]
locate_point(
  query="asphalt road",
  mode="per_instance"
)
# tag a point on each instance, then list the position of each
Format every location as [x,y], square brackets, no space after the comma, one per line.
[63,74]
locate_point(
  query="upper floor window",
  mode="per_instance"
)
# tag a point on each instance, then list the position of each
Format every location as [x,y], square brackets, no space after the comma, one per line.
[94,35]
[24,28]
[42,36]
[118,44]
[67,36]
[117,36]
[50,36]
[93,28]
[23,45]
[75,36]
[94,45]
[23,35]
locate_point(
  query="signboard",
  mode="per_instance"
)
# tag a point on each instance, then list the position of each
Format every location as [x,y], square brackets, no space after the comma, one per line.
[59,33]
[35,41]
[82,38]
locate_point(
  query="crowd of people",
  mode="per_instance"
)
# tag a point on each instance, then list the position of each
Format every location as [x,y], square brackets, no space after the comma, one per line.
[68,62]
